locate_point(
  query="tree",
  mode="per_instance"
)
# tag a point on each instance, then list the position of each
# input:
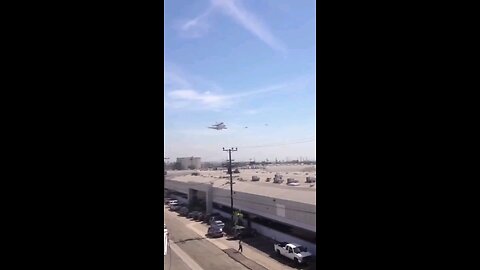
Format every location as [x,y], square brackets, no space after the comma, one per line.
[238,215]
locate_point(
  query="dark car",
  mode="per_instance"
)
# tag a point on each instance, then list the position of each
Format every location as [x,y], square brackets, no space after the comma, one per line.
[215,232]
[217,223]
[192,214]
[183,211]
[200,216]
[174,206]
[206,218]
[196,215]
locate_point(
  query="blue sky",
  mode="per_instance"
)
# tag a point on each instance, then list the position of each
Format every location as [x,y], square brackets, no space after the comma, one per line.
[247,63]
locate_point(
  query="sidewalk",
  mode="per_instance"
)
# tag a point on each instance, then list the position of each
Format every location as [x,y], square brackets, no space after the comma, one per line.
[237,256]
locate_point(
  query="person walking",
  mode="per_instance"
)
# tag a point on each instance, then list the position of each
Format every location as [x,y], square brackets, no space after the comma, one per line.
[240,249]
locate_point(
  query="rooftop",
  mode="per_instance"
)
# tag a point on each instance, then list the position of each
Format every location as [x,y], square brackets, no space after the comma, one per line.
[304,192]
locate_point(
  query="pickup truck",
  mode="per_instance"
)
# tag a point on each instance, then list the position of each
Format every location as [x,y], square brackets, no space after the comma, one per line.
[294,252]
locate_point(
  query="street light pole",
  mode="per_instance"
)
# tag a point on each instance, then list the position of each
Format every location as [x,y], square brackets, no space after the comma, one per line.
[231,178]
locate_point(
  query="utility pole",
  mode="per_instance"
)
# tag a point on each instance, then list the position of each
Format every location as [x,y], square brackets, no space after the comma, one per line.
[165,165]
[231,177]
[164,173]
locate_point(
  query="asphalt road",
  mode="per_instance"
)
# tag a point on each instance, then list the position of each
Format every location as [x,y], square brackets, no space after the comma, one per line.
[197,248]
[173,262]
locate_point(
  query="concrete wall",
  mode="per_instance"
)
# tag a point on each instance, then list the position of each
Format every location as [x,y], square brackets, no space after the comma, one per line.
[201,195]
[297,213]
[209,200]
[293,213]
[222,213]
[177,186]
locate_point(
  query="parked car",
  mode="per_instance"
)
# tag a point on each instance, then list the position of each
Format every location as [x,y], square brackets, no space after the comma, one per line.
[173,206]
[215,232]
[183,211]
[196,215]
[199,217]
[206,218]
[192,214]
[294,252]
[172,202]
[217,223]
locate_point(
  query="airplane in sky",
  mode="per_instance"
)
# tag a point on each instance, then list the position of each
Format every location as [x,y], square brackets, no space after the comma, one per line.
[218,126]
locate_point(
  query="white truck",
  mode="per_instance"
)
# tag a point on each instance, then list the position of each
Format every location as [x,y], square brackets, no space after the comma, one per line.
[294,252]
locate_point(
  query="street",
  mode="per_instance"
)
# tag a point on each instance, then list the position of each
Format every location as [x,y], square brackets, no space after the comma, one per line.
[190,237]
[173,262]
[195,246]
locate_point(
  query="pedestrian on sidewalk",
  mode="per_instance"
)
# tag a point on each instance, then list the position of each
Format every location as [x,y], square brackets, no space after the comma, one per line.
[240,249]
